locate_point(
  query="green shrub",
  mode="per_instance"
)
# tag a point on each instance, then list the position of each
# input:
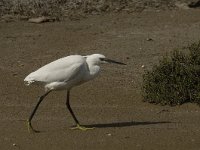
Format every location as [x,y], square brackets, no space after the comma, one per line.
[176,79]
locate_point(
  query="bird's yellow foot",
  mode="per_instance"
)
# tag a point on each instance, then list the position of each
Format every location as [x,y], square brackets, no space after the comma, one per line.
[30,128]
[79,127]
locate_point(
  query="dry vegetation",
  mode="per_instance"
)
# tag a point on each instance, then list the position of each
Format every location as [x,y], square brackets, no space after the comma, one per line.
[60,9]
[67,8]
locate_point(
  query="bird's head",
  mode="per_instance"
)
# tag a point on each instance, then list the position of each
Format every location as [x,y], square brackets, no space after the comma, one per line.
[99,59]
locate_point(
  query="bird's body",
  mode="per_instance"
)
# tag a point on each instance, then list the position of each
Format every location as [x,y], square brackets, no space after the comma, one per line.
[65,73]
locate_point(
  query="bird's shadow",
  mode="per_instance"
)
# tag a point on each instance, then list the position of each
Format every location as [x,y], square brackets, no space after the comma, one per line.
[118,124]
[125,124]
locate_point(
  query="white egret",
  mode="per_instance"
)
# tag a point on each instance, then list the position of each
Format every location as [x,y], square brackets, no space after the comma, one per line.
[65,73]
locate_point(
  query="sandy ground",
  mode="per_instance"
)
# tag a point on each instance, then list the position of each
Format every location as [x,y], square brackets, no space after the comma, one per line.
[112,103]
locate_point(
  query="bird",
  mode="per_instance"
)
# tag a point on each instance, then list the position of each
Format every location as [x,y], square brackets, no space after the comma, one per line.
[64,74]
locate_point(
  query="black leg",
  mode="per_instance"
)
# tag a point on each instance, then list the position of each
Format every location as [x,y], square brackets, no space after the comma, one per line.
[70,109]
[78,126]
[35,109]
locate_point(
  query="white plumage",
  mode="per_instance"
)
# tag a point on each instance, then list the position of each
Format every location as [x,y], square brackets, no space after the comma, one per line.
[65,73]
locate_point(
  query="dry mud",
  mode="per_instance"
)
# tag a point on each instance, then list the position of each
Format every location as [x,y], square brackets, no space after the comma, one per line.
[112,103]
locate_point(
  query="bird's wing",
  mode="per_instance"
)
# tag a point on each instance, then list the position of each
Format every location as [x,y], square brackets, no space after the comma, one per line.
[63,69]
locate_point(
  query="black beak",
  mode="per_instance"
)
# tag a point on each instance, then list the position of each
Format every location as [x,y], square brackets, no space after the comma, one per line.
[112,61]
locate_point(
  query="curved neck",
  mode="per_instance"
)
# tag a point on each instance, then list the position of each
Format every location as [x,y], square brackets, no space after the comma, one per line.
[93,69]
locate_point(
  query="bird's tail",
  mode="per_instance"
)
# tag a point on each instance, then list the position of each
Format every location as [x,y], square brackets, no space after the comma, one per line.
[28,80]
